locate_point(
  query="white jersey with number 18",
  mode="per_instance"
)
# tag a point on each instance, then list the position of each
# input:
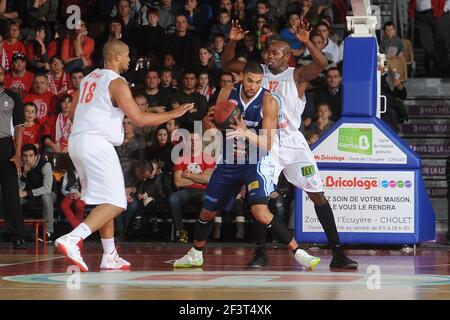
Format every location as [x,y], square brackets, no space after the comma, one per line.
[95,113]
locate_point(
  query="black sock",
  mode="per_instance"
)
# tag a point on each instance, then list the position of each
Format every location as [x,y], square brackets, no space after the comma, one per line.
[260,234]
[198,248]
[295,250]
[326,218]
[203,229]
[280,229]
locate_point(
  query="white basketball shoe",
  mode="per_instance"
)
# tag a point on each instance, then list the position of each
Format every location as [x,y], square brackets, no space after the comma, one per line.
[193,258]
[70,247]
[306,260]
[112,261]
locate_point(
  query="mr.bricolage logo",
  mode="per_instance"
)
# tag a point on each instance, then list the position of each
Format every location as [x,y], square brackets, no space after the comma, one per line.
[365,183]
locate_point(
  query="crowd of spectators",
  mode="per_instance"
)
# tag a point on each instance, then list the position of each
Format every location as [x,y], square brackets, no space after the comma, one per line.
[175,48]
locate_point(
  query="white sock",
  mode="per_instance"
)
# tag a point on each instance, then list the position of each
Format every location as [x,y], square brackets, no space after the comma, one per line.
[108,245]
[82,231]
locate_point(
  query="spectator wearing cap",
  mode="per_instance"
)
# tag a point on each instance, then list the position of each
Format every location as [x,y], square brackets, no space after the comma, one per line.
[77,49]
[19,80]
[12,43]
[44,99]
[40,50]
[58,80]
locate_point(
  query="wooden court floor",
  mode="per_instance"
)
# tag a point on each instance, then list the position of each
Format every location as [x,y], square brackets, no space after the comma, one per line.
[383,274]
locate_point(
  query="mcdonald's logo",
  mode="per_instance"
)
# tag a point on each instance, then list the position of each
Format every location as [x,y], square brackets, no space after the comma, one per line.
[308,171]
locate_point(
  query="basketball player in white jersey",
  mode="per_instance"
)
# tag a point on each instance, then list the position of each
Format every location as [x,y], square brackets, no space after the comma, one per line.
[98,110]
[290,149]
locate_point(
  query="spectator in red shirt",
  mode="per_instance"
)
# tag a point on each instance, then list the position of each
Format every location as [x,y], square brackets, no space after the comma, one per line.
[56,130]
[12,43]
[40,50]
[77,49]
[19,80]
[42,98]
[31,130]
[191,175]
[58,80]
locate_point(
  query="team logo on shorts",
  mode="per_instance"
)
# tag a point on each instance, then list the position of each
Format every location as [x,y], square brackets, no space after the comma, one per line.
[308,171]
[253,185]
[212,199]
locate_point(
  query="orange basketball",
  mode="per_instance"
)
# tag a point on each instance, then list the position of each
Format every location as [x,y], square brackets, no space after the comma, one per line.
[224,113]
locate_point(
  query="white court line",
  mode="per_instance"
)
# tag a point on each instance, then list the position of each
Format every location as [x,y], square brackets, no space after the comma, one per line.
[434,265]
[41,260]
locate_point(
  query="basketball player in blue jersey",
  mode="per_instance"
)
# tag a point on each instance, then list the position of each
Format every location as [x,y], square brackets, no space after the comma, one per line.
[260,111]
[290,150]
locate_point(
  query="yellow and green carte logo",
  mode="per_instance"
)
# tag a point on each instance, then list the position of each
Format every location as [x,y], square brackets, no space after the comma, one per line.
[355,140]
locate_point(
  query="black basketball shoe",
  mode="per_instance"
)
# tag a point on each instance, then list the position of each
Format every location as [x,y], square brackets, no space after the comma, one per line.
[260,259]
[341,261]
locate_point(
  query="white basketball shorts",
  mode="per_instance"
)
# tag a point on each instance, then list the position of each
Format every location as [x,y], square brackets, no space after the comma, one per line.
[299,167]
[99,169]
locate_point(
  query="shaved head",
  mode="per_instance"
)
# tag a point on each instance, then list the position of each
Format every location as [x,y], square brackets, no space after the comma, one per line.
[282,45]
[278,55]
[116,56]
[113,48]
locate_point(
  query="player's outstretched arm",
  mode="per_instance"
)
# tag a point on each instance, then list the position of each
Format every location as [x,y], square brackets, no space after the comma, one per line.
[227,60]
[121,96]
[311,71]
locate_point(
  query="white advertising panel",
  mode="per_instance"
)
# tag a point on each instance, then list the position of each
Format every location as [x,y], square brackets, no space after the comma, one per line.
[359,143]
[365,201]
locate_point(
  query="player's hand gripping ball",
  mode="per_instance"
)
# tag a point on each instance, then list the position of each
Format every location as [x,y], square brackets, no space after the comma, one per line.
[224,114]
